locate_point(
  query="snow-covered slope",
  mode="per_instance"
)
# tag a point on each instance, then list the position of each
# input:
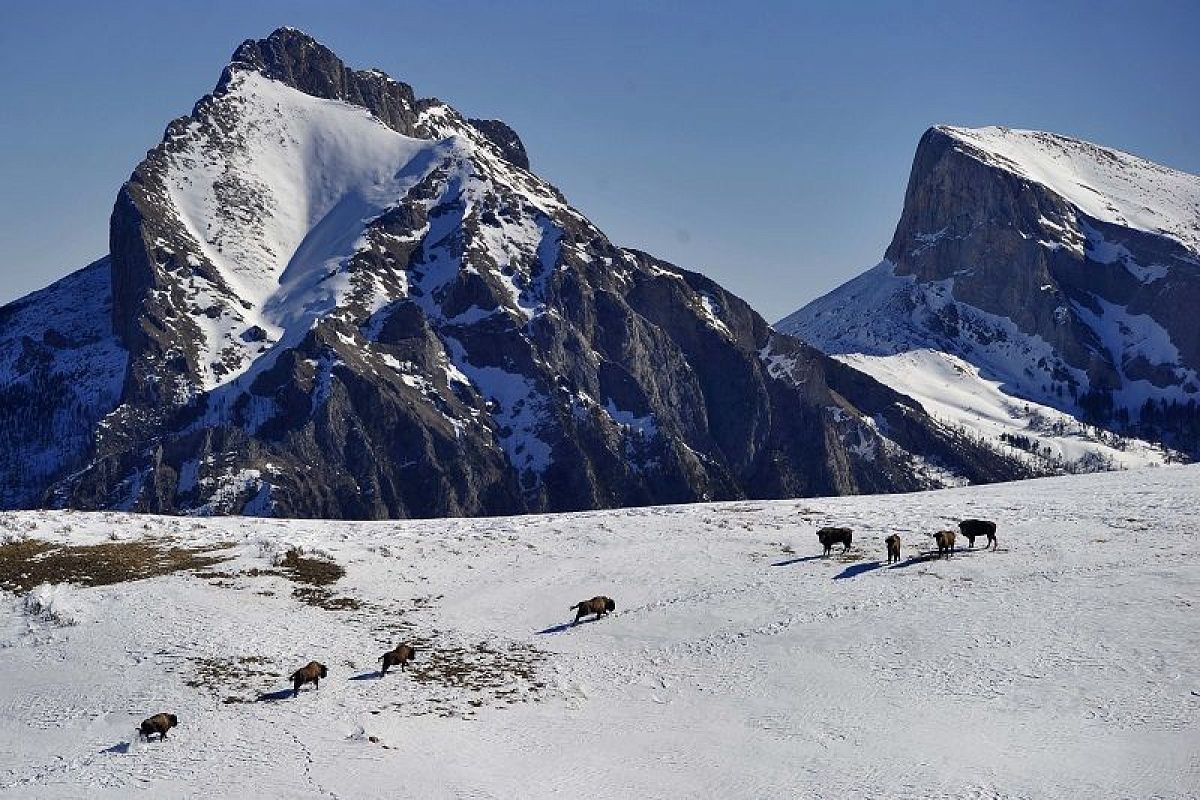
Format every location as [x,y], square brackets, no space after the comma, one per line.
[1034,281]
[738,663]
[278,207]
[975,376]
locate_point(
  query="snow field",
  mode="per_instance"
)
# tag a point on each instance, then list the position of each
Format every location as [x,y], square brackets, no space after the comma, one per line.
[738,662]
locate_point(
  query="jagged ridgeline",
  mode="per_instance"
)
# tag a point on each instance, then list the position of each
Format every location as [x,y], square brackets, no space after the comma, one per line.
[326,297]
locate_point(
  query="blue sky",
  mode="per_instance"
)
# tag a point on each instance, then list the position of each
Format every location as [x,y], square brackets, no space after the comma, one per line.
[767,145]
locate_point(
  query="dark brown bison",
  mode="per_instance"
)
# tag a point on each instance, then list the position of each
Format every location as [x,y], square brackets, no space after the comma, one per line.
[312,672]
[399,656]
[599,605]
[893,548]
[831,536]
[945,543]
[970,528]
[159,723]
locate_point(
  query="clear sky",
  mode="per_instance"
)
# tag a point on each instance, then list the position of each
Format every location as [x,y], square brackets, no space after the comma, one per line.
[764,144]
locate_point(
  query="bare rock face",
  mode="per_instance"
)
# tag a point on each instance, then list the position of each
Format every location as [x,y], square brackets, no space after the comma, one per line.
[1017,248]
[292,57]
[329,298]
[505,139]
[1062,269]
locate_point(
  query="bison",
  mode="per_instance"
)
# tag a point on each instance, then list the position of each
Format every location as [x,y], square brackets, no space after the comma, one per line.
[159,723]
[893,548]
[312,672]
[831,536]
[970,528]
[398,656]
[945,543]
[599,605]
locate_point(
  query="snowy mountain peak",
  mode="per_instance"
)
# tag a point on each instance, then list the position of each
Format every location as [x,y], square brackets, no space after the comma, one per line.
[331,298]
[1106,184]
[1036,285]
[296,59]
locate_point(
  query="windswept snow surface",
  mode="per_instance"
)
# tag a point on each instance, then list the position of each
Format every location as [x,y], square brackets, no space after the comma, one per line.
[1106,184]
[738,662]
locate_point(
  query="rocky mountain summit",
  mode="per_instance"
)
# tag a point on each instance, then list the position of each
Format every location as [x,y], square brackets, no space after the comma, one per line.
[1038,290]
[326,297]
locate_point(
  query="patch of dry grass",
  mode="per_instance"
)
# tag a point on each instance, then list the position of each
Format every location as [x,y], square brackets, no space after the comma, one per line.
[30,562]
[221,675]
[313,571]
[313,575]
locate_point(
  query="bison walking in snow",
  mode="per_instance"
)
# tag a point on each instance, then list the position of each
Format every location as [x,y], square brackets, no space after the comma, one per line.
[599,605]
[312,672]
[945,543]
[159,723]
[399,656]
[893,548]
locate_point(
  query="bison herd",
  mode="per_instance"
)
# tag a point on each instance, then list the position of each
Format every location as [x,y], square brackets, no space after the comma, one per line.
[401,654]
[312,672]
[971,529]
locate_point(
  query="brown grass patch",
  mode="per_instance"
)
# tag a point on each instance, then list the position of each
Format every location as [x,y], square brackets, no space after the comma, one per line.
[322,598]
[313,575]
[494,674]
[31,562]
[313,571]
[220,675]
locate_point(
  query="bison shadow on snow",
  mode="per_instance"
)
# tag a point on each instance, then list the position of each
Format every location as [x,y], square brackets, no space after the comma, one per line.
[857,569]
[799,560]
[273,697]
[566,626]
[932,555]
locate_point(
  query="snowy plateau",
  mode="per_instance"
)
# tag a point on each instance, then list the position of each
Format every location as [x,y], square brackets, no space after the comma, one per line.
[738,662]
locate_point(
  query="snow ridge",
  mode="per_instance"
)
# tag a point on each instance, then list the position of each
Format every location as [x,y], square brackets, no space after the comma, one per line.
[55,344]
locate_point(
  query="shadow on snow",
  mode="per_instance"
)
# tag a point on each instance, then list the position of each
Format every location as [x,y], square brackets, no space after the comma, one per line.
[931,555]
[566,626]
[799,560]
[857,569]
